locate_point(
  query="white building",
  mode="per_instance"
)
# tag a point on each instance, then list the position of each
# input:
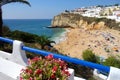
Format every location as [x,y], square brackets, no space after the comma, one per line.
[116,12]
[117,15]
[95,12]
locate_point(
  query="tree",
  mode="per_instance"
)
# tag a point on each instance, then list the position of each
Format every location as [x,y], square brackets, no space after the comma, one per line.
[3,2]
[116,4]
[67,11]
[44,41]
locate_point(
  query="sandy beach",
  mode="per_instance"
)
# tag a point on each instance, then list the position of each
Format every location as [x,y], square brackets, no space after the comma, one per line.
[103,42]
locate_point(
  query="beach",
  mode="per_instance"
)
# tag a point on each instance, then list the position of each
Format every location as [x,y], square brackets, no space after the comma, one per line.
[103,42]
[61,36]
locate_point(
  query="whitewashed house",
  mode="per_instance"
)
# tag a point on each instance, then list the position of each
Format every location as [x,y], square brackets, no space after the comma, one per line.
[95,12]
[117,15]
[116,12]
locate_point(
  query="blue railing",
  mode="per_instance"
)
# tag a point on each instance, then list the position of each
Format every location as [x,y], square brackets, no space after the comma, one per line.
[6,40]
[65,58]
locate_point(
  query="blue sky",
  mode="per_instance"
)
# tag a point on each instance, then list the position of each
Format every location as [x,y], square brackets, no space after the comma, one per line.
[47,9]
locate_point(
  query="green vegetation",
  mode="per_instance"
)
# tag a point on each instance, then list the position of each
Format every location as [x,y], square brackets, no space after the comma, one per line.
[88,55]
[112,61]
[77,17]
[31,40]
[26,37]
[6,31]
[43,42]
[82,71]
[23,36]
[2,2]
[36,41]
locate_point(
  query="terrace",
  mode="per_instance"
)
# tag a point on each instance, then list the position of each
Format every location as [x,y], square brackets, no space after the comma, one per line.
[12,63]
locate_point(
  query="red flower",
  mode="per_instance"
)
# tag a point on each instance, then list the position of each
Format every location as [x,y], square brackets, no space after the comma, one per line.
[38,71]
[62,63]
[30,78]
[53,76]
[55,68]
[50,56]
[21,78]
[39,68]
[36,59]
[30,71]
[66,72]
[27,70]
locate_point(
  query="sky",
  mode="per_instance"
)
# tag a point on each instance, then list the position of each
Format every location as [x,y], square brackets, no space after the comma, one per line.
[47,9]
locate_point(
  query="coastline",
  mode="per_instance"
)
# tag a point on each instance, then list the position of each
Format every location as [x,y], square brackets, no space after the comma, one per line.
[77,40]
[60,37]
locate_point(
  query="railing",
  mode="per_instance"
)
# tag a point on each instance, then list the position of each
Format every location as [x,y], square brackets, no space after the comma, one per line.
[65,58]
[106,69]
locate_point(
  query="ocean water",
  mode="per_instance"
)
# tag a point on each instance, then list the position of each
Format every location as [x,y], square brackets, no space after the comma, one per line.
[34,26]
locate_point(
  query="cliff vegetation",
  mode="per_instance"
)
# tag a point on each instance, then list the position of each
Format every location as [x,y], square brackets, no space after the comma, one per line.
[78,21]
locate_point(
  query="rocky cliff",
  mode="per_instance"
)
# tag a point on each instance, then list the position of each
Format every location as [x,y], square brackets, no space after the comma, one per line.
[78,21]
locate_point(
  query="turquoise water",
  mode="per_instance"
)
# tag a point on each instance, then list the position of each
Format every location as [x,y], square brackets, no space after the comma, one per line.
[35,26]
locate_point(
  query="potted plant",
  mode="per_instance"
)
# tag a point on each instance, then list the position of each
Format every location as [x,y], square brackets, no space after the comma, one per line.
[47,68]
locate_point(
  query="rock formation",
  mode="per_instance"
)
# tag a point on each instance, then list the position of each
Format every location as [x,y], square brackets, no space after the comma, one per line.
[76,21]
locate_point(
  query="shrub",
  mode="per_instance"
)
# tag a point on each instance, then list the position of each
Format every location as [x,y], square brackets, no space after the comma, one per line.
[112,61]
[88,55]
[81,71]
[23,36]
[6,30]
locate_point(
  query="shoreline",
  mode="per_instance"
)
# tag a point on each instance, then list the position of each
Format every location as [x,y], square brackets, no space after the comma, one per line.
[78,40]
[59,38]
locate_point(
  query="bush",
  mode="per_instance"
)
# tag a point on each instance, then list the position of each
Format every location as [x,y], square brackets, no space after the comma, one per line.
[6,31]
[81,71]
[112,61]
[23,36]
[29,39]
[88,55]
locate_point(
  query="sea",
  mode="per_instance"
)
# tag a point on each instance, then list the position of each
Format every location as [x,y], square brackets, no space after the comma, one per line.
[36,26]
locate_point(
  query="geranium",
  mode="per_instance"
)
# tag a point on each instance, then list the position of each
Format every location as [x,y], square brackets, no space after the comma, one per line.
[47,68]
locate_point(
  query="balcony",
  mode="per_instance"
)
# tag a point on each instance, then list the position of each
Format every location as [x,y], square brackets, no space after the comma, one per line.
[12,63]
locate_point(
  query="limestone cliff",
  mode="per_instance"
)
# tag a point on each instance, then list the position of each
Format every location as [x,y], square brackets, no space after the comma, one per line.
[78,21]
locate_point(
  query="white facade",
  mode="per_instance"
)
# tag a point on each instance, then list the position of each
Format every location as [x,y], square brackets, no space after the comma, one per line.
[111,12]
[92,12]
[116,12]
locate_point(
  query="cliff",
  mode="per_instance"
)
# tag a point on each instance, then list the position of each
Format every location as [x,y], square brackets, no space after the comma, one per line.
[78,21]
